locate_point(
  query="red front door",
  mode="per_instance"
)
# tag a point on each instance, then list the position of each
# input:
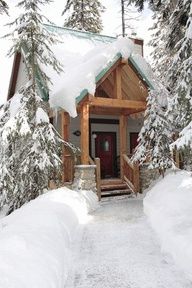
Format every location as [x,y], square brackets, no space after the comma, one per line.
[105,149]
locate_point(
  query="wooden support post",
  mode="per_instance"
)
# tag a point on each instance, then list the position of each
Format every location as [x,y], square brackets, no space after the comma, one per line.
[85,134]
[65,125]
[117,81]
[123,141]
[67,174]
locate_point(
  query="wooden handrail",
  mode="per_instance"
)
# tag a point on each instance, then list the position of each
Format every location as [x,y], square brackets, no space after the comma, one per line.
[91,161]
[68,167]
[128,160]
[131,174]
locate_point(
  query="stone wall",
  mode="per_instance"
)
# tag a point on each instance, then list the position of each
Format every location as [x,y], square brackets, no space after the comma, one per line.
[84,178]
[147,176]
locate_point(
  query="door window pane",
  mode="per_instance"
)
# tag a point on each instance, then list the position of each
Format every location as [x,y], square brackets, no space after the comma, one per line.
[105,145]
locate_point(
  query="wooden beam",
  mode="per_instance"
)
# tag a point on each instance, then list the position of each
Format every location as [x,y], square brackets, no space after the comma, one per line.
[65,125]
[108,87]
[117,103]
[117,81]
[85,134]
[107,111]
[123,141]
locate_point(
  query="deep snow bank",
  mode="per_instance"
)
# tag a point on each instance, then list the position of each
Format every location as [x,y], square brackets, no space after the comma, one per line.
[169,208]
[35,239]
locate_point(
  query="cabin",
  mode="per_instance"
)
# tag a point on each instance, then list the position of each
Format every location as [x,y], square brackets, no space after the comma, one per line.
[97,104]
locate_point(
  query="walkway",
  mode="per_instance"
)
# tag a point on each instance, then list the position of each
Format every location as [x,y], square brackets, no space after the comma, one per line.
[118,249]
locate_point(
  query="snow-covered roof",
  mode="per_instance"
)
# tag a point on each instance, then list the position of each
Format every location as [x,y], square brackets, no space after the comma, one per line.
[85,57]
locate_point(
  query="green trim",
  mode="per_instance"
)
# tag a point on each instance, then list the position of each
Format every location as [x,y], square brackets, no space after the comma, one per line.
[141,73]
[80,34]
[83,93]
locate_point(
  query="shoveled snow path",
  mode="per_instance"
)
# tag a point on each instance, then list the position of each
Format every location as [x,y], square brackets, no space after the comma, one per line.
[118,249]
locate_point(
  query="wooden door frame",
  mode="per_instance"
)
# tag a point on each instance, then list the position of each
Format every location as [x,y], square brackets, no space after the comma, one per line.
[101,121]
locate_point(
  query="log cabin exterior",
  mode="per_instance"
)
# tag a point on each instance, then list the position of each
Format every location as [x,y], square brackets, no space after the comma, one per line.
[108,122]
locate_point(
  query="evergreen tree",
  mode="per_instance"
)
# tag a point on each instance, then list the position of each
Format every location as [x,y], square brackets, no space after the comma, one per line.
[3,7]
[172,59]
[154,4]
[180,79]
[33,40]
[155,136]
[180,71]
[30,147]
[84,15]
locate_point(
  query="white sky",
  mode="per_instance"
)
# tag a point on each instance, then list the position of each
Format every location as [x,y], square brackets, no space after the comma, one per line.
[111,22]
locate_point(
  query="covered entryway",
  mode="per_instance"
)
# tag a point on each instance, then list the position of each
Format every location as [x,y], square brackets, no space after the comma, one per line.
[120,92]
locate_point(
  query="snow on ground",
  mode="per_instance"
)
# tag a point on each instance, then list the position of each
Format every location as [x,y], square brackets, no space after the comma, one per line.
[35,239]
[43,245]
[169,208]
[118,249]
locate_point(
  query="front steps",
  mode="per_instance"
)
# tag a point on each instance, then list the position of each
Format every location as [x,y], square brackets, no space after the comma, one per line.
[114,187]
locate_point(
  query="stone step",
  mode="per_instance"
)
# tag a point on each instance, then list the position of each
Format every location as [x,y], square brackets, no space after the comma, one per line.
[115,193]
[113,186]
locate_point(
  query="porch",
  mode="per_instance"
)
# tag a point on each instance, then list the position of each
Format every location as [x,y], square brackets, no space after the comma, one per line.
[103,143]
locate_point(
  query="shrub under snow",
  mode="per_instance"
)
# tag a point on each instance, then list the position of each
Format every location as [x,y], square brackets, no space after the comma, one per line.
[169,208]
[35,239]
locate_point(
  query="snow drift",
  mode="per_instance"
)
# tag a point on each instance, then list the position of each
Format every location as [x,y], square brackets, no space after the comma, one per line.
[169,206]
[35,239]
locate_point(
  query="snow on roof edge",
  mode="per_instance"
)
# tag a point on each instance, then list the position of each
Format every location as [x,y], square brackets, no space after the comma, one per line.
[145,78]
[99,76]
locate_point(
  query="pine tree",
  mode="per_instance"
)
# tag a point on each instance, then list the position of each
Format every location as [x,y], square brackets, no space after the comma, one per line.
[180,70]
[84,15]
[3,7]
[155,136]
[30,147]
[180,79]
[33,40]
[172,59]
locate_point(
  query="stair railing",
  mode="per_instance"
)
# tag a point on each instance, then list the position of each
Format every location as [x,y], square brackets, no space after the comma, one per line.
[71,157]
[131,174]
